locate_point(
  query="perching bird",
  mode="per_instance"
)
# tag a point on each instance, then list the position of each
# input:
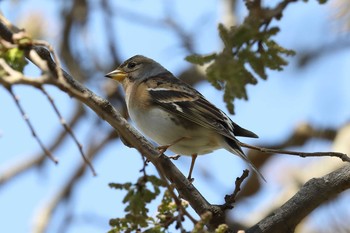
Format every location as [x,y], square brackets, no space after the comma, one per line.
[174,114]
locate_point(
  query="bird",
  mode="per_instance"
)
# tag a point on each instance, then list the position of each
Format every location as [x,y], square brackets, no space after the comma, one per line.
[174,114]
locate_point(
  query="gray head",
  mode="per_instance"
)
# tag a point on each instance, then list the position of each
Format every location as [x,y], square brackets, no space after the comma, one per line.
[136,68]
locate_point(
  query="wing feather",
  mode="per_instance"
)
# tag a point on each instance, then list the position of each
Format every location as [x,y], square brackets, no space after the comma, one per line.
[181,99]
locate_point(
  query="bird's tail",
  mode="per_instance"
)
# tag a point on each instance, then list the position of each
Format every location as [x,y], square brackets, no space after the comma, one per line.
[234,148]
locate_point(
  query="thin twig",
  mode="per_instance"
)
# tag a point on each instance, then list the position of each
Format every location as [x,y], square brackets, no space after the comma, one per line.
[230,199]
[26,119]
[179,203]
[145,163]
[69,130]
[111,35]
[342,156]
[177,200]
[16,168]
[43,215]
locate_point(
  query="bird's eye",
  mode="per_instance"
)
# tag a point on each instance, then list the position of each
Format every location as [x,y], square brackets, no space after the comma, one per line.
[131,65]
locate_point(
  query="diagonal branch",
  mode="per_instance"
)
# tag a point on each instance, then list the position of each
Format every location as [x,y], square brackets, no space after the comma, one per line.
[69,130]
[44,214]
[286,217]
[314,193]
[106,111]
[31,127]
[18,167]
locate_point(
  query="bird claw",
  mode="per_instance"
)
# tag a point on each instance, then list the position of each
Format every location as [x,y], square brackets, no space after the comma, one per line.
[162,149]
[190,179]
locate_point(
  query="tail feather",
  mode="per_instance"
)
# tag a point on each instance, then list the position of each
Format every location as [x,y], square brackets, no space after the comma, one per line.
[234,148]
[239,131]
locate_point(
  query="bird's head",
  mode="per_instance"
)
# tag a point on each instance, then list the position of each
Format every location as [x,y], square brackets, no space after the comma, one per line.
[136,68]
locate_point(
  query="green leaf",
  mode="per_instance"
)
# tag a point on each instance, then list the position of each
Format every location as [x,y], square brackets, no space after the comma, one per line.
[199,59]
[156,182]
[14,58]
[234,76]
[224,35]
[138,195]
[272,31]
[125,186]
[248,53]
[222,228]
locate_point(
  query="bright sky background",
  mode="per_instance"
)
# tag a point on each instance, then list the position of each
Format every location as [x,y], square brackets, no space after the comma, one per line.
[317,94]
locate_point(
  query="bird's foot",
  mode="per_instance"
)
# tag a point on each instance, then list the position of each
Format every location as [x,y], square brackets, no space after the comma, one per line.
[190,179]
[162,149]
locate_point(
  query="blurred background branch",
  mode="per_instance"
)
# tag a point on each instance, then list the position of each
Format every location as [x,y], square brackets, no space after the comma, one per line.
[92,38]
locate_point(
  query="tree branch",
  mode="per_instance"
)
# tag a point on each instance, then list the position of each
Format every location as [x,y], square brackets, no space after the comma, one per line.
[314,193]
[287,217]
[106,111]
[44,213]
[18,167]
[339,155]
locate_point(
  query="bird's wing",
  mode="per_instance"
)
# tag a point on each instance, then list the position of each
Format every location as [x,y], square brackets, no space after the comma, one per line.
[177,97]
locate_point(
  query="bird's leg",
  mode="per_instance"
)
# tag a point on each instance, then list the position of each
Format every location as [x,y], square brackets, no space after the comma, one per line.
[162,149]
[194,156]
[175,157]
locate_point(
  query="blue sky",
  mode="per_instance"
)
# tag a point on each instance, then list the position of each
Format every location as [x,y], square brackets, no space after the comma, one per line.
[316,94]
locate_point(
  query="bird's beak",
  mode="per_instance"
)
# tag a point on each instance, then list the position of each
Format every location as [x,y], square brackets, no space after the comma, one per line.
[117,75]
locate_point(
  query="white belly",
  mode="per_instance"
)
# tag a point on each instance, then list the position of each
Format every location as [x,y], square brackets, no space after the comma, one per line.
[157,125]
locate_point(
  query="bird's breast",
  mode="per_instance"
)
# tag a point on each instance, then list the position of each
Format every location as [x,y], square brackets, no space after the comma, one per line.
[166,128]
